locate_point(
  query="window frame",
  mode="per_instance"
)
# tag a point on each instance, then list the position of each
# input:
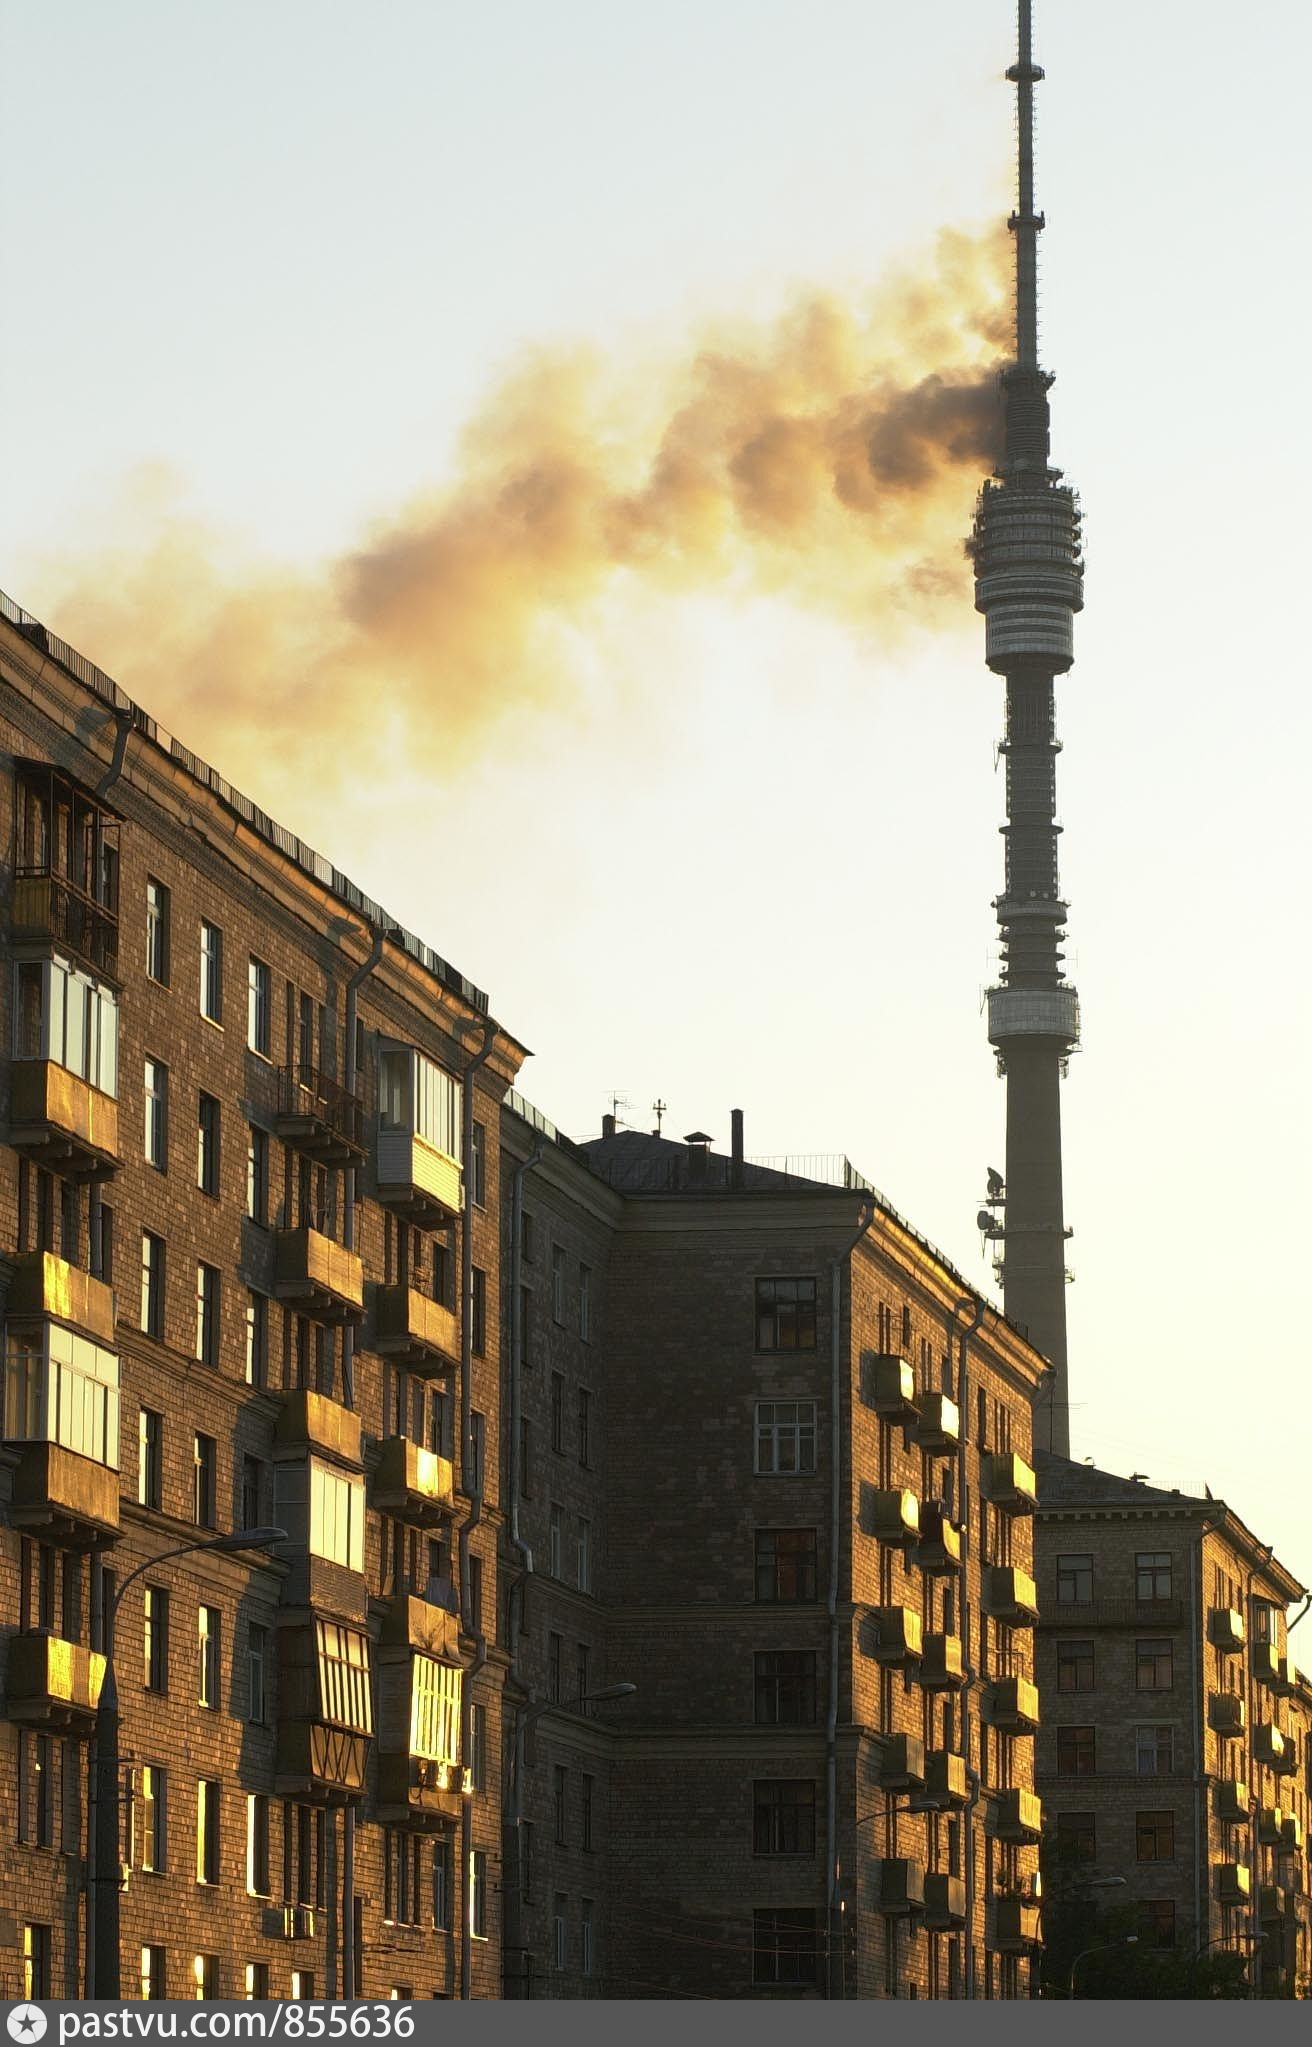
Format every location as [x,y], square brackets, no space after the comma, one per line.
[783,1322]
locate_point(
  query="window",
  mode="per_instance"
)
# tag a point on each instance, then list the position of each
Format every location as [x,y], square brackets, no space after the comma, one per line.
[1152,1576]
[1157,1916]
[257,1175]
[259,999]
[64,1016]
[558,1283]
[557,1412]
[257,1343]
[583,1554]
[560,1802]
[152,1284]
[257,1981]
[36,1789]
[1074,1580]
[402,1854]
[345,1698]
[209,1645]
[336,1516]
[62,1388]
[586,1807]
[157,1115]
[478,1747]
[257,1673]
[560,1930]
[205,1481]
[152,1818]
[1154,1836]
[1264,1621]
[150,1459]
[785,1436]
[442,1885]
[783,1817]
[583,1674]
[207,1314]
[478,1894]
[555,1648]
[785,1688]
[785,1565]
[100,1231]
[585,1424]
[1074,1666]
[205,1975]
[478,1311]
[478,1166]
[785,1946]
[585,1303]
[155,1638]
[207,1830]
[785,1314]
[153,1972]
[1075,1752]
[1152,1666]
[37,1950]
[157,932]
[1153,1751]
[477,1440]
[211,972]
[585,1937]
[207,1146]
[555,1542]
[1077,1837]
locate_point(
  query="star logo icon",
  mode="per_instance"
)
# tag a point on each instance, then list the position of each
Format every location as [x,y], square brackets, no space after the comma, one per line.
[26,2022]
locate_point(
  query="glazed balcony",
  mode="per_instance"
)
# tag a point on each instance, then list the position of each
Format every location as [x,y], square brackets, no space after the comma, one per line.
[318,1277]
[902,1764]
[45,1287]
[1018,1815]
[53,1684]
[1226,1713]
[1230,1799]
[317,1762]
[411,1483]
[942,1664]
[1266,1664]
[1007,1481]
[938,1424]
[68,1498]
[62,1121]
[945,1902]
[1012,1705]
[889,1386]
[325,1711]
[319,1118]
[900,1886]
[311,1424]
[1232,1883]
[47,909]
[893,1635]
[1016,1928]
[1225,1629]
[416,1180]
[946,1788]
[890,1515]
[418,1333]
[1010,1595]
[939,1549]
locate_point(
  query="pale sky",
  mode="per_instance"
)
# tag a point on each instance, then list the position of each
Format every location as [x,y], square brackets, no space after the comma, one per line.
[272,257]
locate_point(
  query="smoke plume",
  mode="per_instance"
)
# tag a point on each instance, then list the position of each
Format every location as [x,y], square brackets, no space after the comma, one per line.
[830,456]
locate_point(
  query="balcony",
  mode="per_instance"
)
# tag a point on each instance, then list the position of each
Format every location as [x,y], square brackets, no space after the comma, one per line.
[325,1713]
[416,1332]
[420,1624]
[943,1666]
[1291,1832]
[48,909]
[902,1765]
[945,1781]
[890,1516]
[311,1424]
[1226,1713]
[888,1384]
[901,1886]
[61,1121]
[945,1902]
[415,1180]
[46,1288]
[1017,1815]
[419,1702]
[1016,1926]
[319,1118]
[1230,1799]
[892,1635]
[415,1791]
[939,1548]
[69,1498]
[412,1483]
[1270,1904]
[1010,1595]
[1007,1481]
[320,1278]
[51,1683]
[938,1424]
[1012,1704]
[1232,1883]
[1225,1629]
[1270,1746]
[1266,1664]
[1270,1826]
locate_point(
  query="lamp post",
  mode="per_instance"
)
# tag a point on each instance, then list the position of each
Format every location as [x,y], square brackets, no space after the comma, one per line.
[106,1832]
[1103,1948]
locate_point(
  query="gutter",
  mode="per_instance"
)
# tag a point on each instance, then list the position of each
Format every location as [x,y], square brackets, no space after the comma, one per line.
[834,1971]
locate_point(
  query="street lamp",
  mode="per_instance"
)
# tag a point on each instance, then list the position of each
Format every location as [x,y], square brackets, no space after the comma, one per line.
[106,1834]
[1104,1948]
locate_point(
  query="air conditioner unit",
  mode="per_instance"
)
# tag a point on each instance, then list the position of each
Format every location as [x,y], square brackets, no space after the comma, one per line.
[298,1922]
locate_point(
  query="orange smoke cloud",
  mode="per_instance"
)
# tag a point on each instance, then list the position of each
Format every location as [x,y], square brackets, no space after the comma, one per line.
[830,457]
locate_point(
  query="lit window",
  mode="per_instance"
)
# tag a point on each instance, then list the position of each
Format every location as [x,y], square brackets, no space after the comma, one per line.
[157,1114]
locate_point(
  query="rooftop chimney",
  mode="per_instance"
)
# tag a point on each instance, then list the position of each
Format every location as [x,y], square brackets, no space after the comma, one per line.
[699,1145]
[736,1149]
[608,1126]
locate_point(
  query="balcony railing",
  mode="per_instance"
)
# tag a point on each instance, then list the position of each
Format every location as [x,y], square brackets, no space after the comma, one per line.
[888,1385]
[945,1780]
[1270,1826]
[1017,1926]
[49,909]
[938,1424]
[70,1498]
[1018,1814]
[62,1121]
[892,1635]
[1232,1882]
[53,1683]
[44,1286]
[1225,1628]
[900,1886]
[313,1424]
[412,1483]
[419,1333]
[1012,1704]
[1266,1664]
[1008,1482]
[1230,1799]
[1226,1713]
[945,1901]
[939,1547]
[902,1765]
[890,1515]
[323,1279]
[415,1179]
[319,1117]
[1010,1595]
[942,1664]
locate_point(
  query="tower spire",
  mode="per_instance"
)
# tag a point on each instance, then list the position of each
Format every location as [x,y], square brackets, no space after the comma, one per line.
[1029,585]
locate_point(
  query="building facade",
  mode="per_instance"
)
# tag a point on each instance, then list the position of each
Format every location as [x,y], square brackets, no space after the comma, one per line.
[1176,1747]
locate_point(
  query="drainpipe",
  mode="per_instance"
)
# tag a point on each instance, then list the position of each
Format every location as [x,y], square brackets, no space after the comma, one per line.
[123,721]
[835,1970]
[471,1483]
[1291,1625]
[972,1305]
[512,1913]
[1202,1930]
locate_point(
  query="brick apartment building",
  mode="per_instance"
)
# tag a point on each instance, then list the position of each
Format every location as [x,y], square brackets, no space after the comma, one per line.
[1176,1746]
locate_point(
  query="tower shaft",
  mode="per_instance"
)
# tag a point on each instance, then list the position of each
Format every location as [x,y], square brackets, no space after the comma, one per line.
[1029,585]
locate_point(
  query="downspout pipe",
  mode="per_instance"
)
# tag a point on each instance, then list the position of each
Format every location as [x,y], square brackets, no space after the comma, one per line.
[512,1863]
[1200,1779]
[961,1331]
[472,1480]
[123,722]
[835,1973]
